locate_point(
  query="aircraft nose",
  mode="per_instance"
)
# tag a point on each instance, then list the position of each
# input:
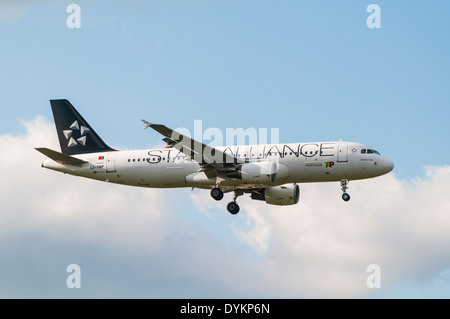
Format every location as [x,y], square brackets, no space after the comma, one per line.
[388,165]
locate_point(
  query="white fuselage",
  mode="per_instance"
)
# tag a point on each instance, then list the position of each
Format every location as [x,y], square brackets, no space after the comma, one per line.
[168,167]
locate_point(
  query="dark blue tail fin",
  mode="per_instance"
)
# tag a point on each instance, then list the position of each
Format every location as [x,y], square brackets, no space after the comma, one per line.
[75,135]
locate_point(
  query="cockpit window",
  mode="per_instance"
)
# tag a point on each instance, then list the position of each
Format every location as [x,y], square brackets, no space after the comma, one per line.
[369,151]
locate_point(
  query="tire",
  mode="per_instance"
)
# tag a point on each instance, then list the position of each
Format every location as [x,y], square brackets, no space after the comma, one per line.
[216,193]
[233,208]
[346,197]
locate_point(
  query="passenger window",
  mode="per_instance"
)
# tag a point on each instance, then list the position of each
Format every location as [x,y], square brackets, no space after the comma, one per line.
[134,160]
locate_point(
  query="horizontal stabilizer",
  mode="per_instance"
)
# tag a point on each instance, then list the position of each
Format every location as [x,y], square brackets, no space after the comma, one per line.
[60,157]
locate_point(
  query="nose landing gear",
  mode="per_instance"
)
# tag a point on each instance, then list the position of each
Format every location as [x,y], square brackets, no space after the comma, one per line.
[345,196]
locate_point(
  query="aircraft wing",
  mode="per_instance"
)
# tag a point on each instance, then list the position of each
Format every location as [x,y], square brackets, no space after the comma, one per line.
[204,154]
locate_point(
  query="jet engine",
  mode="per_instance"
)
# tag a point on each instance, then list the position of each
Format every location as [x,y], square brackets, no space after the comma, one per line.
[279,195]
[260,172]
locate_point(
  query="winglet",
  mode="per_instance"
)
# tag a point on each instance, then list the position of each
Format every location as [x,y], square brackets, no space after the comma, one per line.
[146,124]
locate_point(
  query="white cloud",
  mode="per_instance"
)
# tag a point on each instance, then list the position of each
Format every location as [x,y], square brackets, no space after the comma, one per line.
[71,207]
[130,242]
[133,242]
[322,246]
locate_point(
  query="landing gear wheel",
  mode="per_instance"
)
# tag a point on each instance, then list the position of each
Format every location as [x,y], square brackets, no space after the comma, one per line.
[233,208]
[346,197]
[216,193]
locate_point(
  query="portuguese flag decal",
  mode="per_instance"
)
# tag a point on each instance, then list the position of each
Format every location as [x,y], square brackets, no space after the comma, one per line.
[101,157]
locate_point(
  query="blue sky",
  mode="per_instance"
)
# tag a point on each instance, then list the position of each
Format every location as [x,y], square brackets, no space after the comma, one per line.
[313,69]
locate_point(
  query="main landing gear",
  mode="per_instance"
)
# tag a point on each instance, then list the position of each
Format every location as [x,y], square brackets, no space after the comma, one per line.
[345,196]
[232,207]
[217,193]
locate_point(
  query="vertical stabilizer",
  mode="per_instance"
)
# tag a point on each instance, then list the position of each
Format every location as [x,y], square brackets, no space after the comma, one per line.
[75,135]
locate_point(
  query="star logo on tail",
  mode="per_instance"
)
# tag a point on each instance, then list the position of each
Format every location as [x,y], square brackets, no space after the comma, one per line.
[69,134]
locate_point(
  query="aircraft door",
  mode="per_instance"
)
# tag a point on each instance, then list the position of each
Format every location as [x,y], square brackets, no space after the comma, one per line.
[111,162]
[342,152]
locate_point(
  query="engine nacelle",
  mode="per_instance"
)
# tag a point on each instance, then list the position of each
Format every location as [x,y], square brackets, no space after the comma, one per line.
[279,195]
[254,173]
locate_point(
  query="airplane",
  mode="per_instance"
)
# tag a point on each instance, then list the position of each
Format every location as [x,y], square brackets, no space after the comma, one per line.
[269,172]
